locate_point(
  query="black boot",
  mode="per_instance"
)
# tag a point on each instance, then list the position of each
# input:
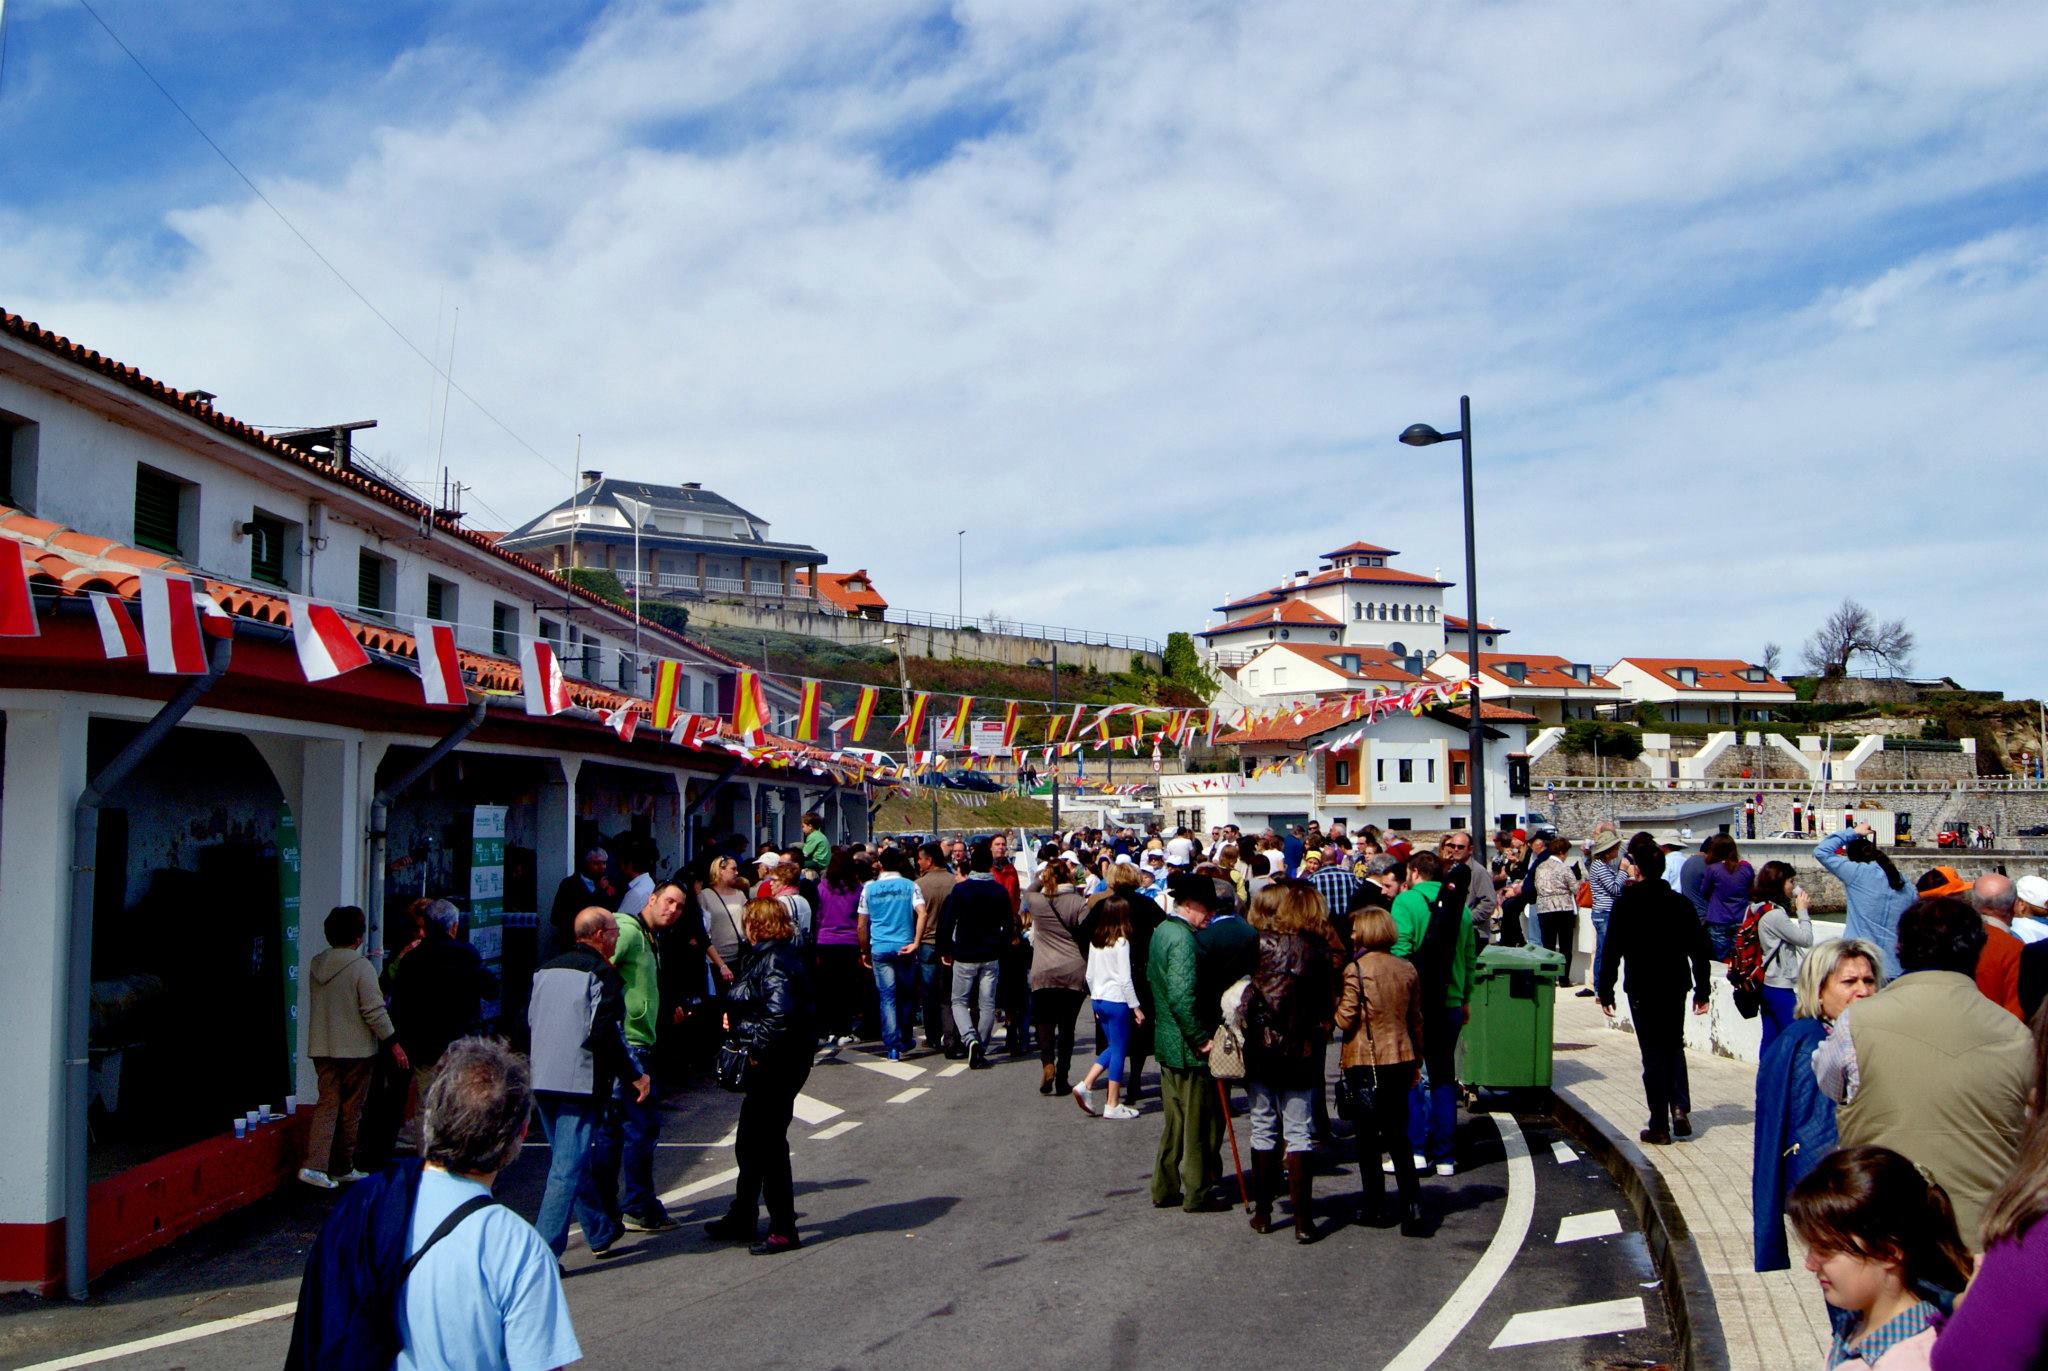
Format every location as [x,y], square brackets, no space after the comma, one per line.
[1412,1224]
[1301,1195]
[1265,1177]
[1372,1185]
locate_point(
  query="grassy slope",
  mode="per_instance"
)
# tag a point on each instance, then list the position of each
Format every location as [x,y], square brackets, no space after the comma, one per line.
[913,813]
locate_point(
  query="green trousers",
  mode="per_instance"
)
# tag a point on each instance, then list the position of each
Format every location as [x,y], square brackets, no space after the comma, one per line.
[1186,1166]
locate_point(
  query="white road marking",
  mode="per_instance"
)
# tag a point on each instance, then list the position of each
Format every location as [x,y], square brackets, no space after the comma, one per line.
[843,1126]
[955,1069]
[1563,1152]
[814,1111]
[698,1187]
[1603,1223]
[192,1334]
[1436,1335]
[902,1071]
[906,1096]
[1572,1321]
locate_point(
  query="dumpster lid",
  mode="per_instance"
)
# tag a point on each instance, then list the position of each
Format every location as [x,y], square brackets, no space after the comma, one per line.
[1499,961]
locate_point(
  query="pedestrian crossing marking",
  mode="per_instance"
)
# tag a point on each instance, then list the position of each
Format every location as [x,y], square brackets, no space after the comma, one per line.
[902,1071]
[1563,1152]
[955,1069]
[906,1096]
[844,1126]
[815,1111]
[1572,1321]
[1603,1223]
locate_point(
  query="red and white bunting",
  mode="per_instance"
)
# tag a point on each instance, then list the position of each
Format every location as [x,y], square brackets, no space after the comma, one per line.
[693,730]
[170,626]
[624,721]
[440,665]
[326,648]
[17,606]
[540,673]
[119,637]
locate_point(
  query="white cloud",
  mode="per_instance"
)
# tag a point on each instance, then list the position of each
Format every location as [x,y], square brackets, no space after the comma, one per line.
[1744,294]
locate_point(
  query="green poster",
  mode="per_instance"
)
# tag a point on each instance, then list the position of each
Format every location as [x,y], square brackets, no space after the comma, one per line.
[288,947]
[487,892]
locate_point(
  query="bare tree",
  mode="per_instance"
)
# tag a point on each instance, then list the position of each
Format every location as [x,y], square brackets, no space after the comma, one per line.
[1850,632]
[1772,656]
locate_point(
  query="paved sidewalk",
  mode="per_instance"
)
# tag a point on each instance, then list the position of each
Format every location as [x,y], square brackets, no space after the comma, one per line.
[1771,1322]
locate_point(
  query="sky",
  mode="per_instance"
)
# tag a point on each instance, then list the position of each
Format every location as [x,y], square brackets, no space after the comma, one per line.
[1751,299]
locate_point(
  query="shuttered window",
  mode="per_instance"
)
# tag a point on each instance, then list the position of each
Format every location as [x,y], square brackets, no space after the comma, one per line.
[266,549]
[370,583]
[441,600]
[157,498]
[504,630]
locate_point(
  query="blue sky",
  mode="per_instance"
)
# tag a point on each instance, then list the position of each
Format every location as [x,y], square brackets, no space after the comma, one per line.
[1748,297]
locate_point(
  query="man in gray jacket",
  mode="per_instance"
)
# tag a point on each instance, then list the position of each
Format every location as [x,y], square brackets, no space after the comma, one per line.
[577,1019]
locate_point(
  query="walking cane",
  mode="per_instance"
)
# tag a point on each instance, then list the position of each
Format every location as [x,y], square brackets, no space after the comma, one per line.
[1223,1098]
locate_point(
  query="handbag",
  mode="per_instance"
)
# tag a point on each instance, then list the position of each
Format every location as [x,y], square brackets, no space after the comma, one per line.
[734,1068]
[1226,1045]
[1355,1100]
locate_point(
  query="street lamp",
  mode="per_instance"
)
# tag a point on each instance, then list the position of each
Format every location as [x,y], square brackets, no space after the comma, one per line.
[1054,664]
[960,585]
[1422,435]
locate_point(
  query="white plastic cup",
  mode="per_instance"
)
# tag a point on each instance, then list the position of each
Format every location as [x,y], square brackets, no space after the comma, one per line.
[263,1113]
[291,1105]
[241,1128]
[252,1119]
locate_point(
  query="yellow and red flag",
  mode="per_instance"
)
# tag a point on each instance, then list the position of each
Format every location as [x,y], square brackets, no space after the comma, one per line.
[668,684]
[957,730]
[807,711]
[914,720]
[1009,723]
[862,712]
[749,705]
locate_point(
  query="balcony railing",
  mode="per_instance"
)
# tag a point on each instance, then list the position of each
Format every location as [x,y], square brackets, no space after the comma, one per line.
[668,583]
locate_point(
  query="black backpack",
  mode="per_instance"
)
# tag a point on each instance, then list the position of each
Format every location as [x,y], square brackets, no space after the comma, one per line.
[1439,944]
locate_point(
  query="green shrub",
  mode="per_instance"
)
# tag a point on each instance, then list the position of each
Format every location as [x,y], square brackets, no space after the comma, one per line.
[600,582]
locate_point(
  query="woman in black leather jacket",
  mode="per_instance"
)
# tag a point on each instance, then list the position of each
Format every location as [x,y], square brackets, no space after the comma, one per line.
[770,1012]
[1288,1010]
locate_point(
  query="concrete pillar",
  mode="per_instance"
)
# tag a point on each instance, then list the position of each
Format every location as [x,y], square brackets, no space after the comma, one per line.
[788,579]
[45,771]
[746,575]
[700,572]
[554,851]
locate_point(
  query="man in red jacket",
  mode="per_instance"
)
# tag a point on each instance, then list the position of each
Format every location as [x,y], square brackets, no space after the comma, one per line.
[1998,966]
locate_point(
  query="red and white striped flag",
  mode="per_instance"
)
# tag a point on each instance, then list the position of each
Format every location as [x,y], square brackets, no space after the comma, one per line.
[170,626]
[440,665]
[326,648]
[693,730]
[17,608]
[118,635]
[540,673]
[624,721]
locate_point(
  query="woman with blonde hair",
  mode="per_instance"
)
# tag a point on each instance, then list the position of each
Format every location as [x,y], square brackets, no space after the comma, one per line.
[1059,972]
[1795,1122]
[770,1015]
[1287,1015]
[1380,1018]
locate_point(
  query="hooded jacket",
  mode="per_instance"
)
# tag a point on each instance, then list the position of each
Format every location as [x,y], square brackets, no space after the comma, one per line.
[577,1019]
[348,1016]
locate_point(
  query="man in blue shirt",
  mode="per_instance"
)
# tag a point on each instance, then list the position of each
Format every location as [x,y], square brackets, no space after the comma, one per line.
[891,922]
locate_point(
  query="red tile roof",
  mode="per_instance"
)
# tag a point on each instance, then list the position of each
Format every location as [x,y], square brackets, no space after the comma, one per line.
[1544,673]
[834,590]
[1496,713]
[1374,663]
[202,411]
[1367,549]
[1287,612]
[1715,673]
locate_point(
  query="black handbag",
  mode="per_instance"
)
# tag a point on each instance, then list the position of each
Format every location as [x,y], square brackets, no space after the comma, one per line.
[734,1066]
[1354,1099]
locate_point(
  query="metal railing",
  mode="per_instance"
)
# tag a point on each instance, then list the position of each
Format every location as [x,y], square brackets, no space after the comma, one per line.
[672,583]
[1737,785]
[1018,628]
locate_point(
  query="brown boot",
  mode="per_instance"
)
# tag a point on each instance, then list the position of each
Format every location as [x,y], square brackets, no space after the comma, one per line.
[1045,1080]
[1265,1175]
[1301,1194]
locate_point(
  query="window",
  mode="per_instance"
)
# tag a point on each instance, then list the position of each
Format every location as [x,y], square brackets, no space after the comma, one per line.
[551,631]
[504,630]
[1406,770]
[629,672]
[374,576]
[1279,676]
[1457,821]
[266,549]
[443,603]
[707,696]
[593,657]
[1343,774]
[1400,825]
[1379,770]
[17,462]
[1429,770]
[1458,774]
[163,511]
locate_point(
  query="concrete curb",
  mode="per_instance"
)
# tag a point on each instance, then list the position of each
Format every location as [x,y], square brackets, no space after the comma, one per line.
[1688,1294]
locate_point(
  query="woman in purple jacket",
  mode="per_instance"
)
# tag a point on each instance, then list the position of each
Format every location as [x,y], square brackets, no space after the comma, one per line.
[2001,1323]
[841,979]
[1726,881]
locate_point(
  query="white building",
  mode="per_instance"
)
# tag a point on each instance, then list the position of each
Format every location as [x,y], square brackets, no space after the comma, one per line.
[1356,597]
[1551,689]
[256,801]
[1297,673]
[1701,690]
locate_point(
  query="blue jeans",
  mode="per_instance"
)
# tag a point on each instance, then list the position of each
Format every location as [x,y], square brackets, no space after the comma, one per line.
[895,974]
[968,979]
[570,1123]
[1278,1113]
[1115,1017]
[622,1157]
[1600,918]
[1779,1006]
[1721,941]
[1433,1100]
[936,980]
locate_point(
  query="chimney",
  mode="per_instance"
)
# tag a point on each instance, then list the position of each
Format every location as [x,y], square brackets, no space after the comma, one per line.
[591,478]
[693,485]
[204,397]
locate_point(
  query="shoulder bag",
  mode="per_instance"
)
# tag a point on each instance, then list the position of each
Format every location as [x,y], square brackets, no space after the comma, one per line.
[1355,1099]
[1226,1045]
[734,1067]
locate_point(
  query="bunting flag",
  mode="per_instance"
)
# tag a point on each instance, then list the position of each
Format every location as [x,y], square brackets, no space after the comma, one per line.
[749,706]
[118,635]
[668,686]
[914,720]
[440,665]
[624,721]
[17,607]
[540,676]
[325,646]
[863,710]
[692,730]
[170,626]
[957,730]
[1010,723]
[1211,728]
[807,712]
[1072,732]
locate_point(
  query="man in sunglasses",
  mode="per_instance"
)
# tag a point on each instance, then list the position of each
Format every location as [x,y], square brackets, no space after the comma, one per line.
[1483,901]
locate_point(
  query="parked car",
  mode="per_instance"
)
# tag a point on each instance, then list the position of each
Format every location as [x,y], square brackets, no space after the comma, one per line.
[2033,831]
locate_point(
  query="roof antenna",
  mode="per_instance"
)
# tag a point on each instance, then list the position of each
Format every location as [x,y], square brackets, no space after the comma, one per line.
[574,467]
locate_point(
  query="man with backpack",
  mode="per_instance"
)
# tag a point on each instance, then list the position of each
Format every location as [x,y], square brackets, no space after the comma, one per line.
[1434,931]
[419,1266]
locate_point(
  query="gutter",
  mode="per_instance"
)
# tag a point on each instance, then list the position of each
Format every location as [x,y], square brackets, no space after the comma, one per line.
[380,816]
[77,1004]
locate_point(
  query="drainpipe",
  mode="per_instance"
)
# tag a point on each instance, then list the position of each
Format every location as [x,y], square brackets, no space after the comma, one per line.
[380,814]
[85,836]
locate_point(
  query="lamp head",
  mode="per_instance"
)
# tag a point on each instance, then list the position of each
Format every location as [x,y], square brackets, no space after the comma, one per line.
[1422,435]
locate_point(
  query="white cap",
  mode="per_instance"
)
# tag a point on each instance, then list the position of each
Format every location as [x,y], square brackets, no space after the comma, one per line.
[2032,889]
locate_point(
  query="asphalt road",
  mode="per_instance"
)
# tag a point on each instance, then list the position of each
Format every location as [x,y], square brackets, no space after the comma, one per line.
[964,1220]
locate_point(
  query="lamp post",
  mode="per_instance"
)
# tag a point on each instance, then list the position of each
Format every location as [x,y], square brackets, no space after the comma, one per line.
[1055,667]
[960,581]
[1422,435]
[638,509]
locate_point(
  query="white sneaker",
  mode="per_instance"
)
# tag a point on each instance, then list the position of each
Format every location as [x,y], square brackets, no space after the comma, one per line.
[1081,1098]
[1119,1111]
[1446,1169]
[319,1180]
[1421,1163]
[1388,1166]
[351,1177]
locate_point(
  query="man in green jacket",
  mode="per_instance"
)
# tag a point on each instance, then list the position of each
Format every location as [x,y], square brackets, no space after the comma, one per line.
[622,1155]
[1433,1100]
[1186,1166]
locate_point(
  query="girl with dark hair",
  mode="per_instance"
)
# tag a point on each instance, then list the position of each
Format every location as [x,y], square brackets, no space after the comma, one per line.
[1878,894]
[840,974]
[1726,881]
[1114,990]
[1881,1237]
[1783,929]
[2002,1324]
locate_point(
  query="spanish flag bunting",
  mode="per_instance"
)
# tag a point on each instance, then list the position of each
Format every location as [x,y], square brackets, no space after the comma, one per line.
[1073,731]
[692,730]
[914,720]
[1009,723]
[957,730]
[863,710]
[668,684]
[749,707]
[807,712]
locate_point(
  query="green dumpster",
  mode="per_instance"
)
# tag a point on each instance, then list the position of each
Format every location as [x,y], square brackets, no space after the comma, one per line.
[1514,993]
